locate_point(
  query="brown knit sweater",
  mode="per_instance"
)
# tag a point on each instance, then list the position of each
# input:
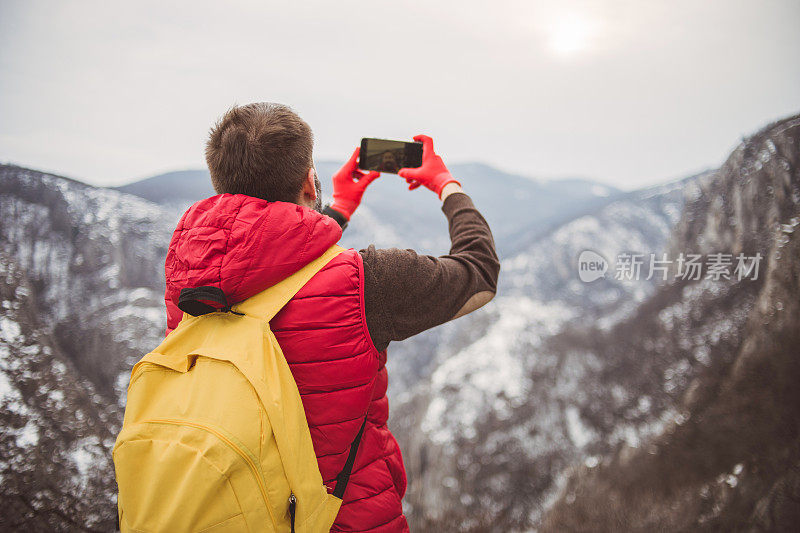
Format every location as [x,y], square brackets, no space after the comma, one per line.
[406,293]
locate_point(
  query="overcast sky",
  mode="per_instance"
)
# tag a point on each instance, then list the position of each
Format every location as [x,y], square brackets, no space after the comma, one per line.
[626,92]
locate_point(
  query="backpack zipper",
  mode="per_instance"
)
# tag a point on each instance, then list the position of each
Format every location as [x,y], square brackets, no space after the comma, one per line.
[292,508]
[244,455]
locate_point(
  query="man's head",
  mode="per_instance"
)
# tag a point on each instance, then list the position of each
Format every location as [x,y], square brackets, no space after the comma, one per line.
[264,150]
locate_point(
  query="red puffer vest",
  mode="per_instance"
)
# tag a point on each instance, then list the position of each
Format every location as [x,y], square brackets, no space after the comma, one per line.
[244,245]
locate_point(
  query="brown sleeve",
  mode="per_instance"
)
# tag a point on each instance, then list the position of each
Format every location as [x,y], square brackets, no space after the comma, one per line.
[406,293]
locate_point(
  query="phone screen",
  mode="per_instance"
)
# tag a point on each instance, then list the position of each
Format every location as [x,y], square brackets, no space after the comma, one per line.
[389,156]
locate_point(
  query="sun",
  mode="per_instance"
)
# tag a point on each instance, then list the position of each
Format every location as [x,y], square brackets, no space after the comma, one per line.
[569,34]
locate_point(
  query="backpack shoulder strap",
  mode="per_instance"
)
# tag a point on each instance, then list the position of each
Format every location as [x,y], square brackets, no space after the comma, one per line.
[268,302]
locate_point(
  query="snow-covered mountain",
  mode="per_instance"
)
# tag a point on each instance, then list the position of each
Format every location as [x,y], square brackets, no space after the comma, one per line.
[56,429]
[493,403]
[82,297]
[512,418]
[95,257]
[716,363]
[565,376]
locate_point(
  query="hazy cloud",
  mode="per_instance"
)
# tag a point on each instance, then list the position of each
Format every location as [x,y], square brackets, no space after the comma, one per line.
[626,92]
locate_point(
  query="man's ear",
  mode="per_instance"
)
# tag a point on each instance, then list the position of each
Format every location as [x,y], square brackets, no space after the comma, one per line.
[309,193]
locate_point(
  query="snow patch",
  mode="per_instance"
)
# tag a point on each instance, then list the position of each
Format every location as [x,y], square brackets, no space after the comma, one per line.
[579,434]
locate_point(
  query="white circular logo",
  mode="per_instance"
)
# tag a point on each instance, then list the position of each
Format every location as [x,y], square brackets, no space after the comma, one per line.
[591,266]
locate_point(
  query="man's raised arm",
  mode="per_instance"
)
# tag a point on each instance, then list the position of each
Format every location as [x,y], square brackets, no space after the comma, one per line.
[406,293]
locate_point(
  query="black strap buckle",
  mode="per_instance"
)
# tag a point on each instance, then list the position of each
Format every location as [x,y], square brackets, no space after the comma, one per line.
[198,301]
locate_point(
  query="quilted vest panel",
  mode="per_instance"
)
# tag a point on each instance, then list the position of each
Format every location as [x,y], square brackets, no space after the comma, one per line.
[341,376]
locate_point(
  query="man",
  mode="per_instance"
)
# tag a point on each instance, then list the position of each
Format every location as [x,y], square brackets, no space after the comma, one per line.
[268,222]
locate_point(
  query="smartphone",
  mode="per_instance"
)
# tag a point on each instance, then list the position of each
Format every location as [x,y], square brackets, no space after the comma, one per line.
[389,156]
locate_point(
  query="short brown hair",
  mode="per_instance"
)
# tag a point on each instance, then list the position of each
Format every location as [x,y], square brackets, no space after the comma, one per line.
[262,150]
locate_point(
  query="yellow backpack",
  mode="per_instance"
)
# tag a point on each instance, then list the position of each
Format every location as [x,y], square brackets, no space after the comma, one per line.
[215,437]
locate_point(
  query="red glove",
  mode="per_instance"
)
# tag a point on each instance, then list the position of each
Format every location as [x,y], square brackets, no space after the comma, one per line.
[349,184]
[432,174]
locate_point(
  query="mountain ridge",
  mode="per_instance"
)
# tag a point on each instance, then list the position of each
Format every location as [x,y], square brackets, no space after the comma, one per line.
[507,201]
[729,460]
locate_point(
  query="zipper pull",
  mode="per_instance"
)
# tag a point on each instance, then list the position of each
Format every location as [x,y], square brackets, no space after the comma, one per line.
[292,509]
